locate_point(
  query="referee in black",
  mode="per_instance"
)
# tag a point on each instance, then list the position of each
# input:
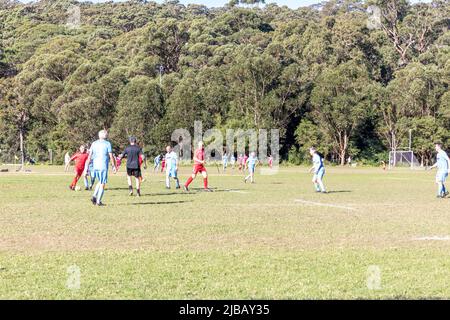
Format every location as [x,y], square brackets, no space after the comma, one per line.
[132,153]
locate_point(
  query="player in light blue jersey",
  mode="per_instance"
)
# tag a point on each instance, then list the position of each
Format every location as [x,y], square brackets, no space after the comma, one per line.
[232,161]
[89,172]
[443,165]
[156,163]
[100,154]
[251,164]
[171,167]
[224,161]
[319,170]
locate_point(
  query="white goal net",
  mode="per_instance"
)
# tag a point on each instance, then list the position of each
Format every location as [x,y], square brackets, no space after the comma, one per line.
[403,159]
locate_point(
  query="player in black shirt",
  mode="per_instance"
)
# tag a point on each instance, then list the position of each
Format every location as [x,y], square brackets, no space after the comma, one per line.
[132,153]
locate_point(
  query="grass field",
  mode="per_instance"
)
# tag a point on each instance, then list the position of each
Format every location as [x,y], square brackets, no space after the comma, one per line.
[276,239]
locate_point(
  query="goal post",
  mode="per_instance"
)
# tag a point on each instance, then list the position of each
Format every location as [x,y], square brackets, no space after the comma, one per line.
[403,158]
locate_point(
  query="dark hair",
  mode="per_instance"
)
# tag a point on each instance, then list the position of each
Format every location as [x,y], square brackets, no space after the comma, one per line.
[132,139]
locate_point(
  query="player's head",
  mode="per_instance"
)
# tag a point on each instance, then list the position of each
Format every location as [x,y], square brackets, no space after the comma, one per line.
[312,150]
[169,149]
[103,134]
[438,146]
[82,148]
[132,140]
[253,154]
[200,144]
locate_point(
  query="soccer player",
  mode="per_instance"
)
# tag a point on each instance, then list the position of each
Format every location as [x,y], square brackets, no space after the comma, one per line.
[171,167]
[443,165]
[232,161]
[318,169]
[133,153]
[156,163]
[80,162]
[199,166]
[163,163]
[66,159]
[349,161]
[239,160]
[142,161]
[270,161]
[90,173]
[224,161]
[251,164]
[118,161]
[101,154]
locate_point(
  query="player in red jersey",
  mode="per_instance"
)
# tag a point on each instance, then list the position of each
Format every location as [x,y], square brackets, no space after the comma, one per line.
[270,161]
[142,161]
[118,161]
[163,163]
[80,162]
[199,166]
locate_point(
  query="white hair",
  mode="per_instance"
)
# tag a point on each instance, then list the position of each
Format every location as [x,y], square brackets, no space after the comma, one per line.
[103,134]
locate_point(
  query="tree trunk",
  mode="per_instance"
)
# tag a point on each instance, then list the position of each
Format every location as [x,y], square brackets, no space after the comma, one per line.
[22,152]
[342,156]
[343,148]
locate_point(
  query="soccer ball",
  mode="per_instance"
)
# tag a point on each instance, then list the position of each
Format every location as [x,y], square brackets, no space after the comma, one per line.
[77,188]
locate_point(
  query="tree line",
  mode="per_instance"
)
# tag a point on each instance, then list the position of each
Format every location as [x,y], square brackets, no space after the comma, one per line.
[350,77]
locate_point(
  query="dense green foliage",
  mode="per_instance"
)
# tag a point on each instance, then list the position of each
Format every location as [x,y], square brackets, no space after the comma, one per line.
[325,75]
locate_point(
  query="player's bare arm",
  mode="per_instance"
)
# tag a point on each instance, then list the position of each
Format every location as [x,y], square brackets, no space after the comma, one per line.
[88,160]
[68,163]
[113,162]
[198,160]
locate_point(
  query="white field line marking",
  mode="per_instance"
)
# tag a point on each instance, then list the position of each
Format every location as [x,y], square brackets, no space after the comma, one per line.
[438,238]
[324,204]
[236,191]
[403,179]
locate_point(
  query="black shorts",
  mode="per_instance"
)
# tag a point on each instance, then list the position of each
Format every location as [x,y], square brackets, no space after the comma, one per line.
[134,172]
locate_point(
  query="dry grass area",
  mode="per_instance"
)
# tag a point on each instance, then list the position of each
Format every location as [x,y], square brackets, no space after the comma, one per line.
[273,239]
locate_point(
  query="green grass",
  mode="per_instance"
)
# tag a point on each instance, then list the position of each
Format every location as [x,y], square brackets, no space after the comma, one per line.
[242,241]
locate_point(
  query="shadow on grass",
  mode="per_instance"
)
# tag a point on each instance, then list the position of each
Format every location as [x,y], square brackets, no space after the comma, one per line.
[339,191]
[201,189]
[150,203]
[215,189]
[157,202]
[167,194]
[228,190]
